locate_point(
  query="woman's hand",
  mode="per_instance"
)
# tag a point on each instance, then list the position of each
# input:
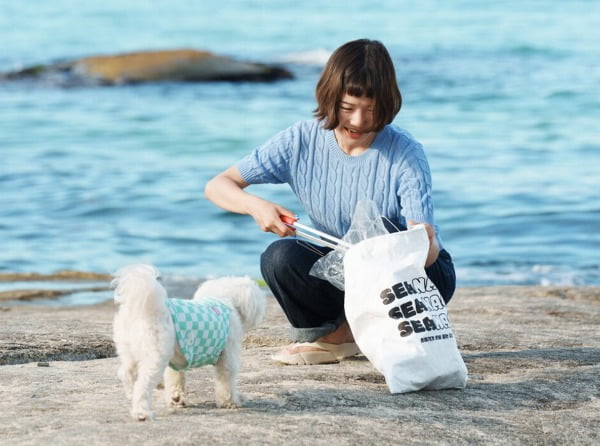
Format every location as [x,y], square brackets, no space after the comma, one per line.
[267,216]
[434,247]
[226,190]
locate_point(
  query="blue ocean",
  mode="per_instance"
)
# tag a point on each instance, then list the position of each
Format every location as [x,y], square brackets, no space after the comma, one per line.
[504,96]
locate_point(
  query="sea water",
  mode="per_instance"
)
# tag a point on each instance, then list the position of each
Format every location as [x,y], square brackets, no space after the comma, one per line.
[503,95]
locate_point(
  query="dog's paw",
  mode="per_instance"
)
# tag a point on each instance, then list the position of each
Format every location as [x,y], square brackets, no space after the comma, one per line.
[228,404]
[232,403]
[143,416]
[177,400]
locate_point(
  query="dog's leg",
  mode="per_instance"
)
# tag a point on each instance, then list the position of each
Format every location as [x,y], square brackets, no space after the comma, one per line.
[127,373]
[150,370]
[228,366]
[174,387]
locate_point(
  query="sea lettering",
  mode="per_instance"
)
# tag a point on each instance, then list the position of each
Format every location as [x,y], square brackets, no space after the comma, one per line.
[437,302]
[420,306]
[429,324]
[408,310]
[395,313]
[405,329]
[433,302]
[423,284]
[403,289]
[387,297]
[417,326]
[399,290]
[441,321]
[412,308]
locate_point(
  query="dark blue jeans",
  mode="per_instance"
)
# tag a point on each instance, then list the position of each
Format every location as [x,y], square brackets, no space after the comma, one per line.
[313,306]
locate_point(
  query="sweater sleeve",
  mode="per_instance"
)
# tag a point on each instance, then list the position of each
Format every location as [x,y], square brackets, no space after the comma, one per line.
[270,162]
[414,188]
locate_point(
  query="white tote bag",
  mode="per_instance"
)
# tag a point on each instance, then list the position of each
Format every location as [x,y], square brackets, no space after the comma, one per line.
[398,318]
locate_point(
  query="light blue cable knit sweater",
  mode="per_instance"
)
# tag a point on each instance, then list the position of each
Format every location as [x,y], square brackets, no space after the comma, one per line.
[394,173]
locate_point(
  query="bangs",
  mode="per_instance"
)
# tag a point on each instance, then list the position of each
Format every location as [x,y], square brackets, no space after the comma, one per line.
[359,84]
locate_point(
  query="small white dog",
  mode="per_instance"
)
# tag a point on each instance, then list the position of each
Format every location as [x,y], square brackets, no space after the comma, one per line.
[158,337]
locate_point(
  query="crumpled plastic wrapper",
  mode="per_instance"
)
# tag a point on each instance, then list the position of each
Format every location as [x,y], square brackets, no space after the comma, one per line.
[366,223]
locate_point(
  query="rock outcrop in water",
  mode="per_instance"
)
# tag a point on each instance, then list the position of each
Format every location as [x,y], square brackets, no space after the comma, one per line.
[68,282]
[179,65]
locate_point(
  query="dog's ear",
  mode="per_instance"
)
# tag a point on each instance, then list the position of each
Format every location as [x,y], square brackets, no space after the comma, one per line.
[118,297]
[122,286]
[117,284]
[132,280]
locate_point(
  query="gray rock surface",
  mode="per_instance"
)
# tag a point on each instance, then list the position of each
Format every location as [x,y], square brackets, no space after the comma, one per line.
[533,355]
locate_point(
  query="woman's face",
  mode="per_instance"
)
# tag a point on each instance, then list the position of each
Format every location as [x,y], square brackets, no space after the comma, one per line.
[354,132]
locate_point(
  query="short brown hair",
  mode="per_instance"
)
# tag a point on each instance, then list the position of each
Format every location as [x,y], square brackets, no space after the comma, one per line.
[359,68]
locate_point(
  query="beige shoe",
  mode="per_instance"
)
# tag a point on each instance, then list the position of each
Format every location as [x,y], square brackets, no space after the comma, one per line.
[327,353]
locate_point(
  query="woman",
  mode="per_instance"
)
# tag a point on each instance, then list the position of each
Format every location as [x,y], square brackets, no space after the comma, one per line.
[349,152]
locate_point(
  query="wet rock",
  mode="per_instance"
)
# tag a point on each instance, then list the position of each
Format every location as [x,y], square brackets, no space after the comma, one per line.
[65,282]
[32,294]
[59,275]
[179,65]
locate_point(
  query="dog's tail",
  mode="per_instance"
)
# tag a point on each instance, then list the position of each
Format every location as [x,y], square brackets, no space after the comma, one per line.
[137,286]
[242,293]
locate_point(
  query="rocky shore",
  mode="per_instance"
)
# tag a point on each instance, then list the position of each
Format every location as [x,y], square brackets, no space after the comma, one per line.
[533,355]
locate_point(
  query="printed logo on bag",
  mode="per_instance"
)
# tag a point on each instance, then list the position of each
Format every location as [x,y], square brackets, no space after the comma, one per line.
[420,309]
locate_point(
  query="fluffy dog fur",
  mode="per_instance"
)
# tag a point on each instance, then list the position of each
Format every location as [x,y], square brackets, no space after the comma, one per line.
[145,338]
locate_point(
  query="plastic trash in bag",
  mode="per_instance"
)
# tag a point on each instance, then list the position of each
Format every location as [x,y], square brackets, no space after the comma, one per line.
[366,223]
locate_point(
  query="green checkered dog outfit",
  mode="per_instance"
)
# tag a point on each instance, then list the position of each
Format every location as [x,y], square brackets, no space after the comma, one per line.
[202,327]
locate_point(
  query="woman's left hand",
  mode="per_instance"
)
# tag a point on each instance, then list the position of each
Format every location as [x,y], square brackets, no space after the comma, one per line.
[434,247]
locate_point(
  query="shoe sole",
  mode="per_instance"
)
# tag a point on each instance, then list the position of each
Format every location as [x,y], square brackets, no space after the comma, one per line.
[330,354]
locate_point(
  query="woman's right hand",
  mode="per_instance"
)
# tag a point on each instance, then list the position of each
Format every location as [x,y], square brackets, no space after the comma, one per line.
[267,216]
[226,190]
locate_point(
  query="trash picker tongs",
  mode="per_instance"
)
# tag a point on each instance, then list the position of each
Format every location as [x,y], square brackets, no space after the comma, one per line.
[315,235]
